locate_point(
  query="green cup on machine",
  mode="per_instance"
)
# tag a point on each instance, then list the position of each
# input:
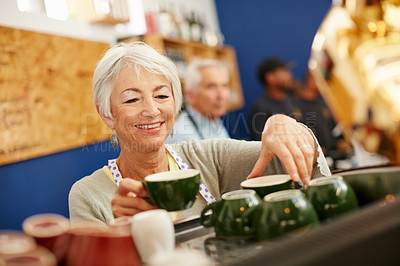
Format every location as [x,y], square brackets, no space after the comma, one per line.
[331,196]
[267,184]
[234,215]
[286,212]
[173,190]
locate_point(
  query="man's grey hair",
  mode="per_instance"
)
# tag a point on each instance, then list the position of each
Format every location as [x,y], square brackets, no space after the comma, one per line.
[139,56]
[192,77]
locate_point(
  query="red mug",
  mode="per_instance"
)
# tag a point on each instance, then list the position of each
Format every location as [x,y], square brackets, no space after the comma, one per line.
[94,245]
[50,231]
[17,248]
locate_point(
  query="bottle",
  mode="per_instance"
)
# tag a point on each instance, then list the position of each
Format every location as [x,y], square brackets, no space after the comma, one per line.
[164,20]
[174,31]
[183,23]
[195,28]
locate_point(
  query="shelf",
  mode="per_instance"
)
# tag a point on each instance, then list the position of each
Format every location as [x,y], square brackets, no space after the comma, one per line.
[99,11]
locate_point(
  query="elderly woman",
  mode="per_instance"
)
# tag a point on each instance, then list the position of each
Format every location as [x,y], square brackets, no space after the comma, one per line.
[138,95]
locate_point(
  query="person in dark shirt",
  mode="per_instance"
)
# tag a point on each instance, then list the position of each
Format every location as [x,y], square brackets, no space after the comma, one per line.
[314,113]
[277,79]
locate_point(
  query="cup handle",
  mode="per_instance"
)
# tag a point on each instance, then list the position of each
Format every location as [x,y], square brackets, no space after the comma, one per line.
[203,220]
[148,199]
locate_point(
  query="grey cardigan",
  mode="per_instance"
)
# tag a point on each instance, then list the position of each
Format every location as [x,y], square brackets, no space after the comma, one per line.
[223,164]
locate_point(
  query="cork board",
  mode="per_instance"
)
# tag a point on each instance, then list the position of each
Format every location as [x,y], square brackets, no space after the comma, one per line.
[46,94]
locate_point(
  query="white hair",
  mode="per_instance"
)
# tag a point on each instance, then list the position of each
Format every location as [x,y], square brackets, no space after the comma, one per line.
[192,77]
[139,56]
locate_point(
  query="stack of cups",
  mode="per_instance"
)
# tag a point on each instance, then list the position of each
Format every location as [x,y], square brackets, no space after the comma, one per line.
[292,212]
[17,248]
[49,231]
[283,209]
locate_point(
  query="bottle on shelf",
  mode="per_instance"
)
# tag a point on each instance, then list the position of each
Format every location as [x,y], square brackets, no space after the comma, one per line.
[151,20]
[175,32]
[164,21]
[183,23]
[195,27]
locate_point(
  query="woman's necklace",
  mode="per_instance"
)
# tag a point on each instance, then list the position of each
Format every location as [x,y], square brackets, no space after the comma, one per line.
[205,193]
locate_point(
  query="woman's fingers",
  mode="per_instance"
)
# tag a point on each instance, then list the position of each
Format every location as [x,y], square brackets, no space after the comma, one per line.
[128,198]
[260,165]
[298,164]
[309,155]
[129,206]
[308,148]
[302,151]
[128,185]
[292,143]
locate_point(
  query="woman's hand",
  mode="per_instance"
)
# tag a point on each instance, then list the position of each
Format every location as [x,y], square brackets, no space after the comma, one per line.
[128,199]
[292,143]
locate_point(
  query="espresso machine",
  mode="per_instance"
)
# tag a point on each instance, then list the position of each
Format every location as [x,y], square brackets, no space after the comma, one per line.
[355,61]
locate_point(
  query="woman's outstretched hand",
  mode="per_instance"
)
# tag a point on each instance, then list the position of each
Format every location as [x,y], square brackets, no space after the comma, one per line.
[292,143]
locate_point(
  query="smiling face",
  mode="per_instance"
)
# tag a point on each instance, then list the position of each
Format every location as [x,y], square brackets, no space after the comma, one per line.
[210,98]
[142,109]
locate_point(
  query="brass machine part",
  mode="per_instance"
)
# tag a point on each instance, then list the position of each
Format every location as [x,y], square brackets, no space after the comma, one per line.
[355,60]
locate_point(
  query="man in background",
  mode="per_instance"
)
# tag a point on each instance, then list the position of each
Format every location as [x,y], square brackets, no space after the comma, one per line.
[277,81]
[206,91]
[341,150]
[315,114]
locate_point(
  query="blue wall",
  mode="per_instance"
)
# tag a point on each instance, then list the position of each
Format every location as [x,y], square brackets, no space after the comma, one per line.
[41,185]
[256,28]
[260,28]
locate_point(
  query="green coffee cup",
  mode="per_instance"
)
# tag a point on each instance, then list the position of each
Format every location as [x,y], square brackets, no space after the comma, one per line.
[286,212]
[331,196]
[234,215]
[173,190]
[267,184]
